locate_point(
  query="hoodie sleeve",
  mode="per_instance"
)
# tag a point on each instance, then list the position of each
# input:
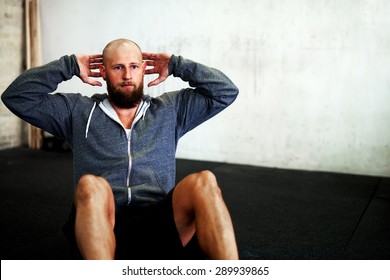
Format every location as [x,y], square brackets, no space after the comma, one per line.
[211,92]
[29,96]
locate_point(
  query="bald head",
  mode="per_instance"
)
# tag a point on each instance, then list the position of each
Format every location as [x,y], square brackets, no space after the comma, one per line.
[121,45]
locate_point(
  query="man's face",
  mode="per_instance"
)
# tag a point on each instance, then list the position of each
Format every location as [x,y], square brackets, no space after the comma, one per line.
[124,72]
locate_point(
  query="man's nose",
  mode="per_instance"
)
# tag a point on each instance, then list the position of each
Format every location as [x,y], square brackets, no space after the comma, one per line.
[127,74]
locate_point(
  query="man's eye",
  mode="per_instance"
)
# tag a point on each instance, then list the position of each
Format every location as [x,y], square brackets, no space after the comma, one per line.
[134,66]
[118,67]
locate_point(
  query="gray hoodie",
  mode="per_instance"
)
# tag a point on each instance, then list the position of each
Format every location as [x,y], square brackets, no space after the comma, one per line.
[139,165]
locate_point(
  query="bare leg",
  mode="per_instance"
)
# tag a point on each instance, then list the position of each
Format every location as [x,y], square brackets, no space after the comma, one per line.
[198,207]
[95,218]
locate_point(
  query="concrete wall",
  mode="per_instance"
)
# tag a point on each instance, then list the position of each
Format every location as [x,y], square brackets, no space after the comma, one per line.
[11,65]
[314,75]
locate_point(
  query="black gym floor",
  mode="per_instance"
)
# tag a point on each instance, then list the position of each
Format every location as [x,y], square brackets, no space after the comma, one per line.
[277,214]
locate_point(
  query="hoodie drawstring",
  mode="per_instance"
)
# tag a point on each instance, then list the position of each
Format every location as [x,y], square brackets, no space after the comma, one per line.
[89,120]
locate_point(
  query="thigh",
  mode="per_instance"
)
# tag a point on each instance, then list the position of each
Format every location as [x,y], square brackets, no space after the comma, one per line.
[183,208]
[191,250]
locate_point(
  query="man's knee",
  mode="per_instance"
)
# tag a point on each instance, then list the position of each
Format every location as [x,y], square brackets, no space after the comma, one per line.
[90,186]
[206,183]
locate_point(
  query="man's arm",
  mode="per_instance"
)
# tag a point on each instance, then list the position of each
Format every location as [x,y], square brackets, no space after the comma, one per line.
[28,96]
[211,92]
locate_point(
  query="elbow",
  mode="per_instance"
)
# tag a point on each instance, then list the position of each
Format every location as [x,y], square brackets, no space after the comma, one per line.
[236,91]
[4,98]
[8,100]
[233,93]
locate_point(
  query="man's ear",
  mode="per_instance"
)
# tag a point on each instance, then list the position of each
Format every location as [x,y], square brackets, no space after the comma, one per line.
[102,70]
[143,67]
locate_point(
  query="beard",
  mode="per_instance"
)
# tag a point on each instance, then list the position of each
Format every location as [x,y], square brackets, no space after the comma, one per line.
[125,99]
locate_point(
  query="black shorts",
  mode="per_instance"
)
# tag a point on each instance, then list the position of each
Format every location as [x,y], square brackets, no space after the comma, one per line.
[147,233]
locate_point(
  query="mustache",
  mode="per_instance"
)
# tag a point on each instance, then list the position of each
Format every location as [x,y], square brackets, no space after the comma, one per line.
[127,84]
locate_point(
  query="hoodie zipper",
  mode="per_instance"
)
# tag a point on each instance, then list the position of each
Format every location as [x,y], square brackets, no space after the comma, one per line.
[139,114]
[129,167]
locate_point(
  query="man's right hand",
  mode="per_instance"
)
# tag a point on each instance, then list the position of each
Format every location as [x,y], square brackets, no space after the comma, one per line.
[88,63]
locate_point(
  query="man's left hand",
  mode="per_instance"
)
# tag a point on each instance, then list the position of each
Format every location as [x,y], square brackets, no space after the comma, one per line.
[159,63]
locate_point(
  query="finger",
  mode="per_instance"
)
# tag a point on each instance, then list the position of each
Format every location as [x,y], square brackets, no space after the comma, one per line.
[150,71]
[148,56]
[157,81]
[152,83]
[95,74]
[96,56]
[149,62]
[93,82]
[96,59]
[94,66]
[150,67]
[97,63]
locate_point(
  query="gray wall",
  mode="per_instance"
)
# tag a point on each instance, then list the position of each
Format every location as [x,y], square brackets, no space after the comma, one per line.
[314,75]
[11,65]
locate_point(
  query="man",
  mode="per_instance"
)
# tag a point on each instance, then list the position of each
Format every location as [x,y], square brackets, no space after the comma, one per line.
[124,146]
